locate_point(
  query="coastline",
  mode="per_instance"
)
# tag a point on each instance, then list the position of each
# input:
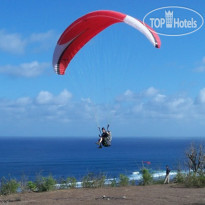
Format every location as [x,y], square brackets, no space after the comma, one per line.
[169,194]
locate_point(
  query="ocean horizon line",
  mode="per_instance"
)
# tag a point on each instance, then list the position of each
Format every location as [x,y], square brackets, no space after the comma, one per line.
[117,137]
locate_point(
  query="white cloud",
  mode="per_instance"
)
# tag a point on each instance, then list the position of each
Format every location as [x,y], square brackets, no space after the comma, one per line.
[12,42]
[201,96]
[150,103]
[23,101]
[177,102]
[160,98]
[60,108]
[128,95]
[40,42]
[87,100]
[44,97]
[151,92]
[31,69]
[41,37]
[44,107]
[201,67]
[63,97]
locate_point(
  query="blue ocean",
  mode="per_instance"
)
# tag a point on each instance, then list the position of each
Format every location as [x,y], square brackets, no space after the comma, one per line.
[76,157]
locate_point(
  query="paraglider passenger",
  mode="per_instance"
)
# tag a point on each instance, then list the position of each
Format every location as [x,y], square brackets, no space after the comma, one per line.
[105,138]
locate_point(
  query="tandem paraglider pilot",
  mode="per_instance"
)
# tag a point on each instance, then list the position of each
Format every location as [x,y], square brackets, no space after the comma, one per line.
[105,137]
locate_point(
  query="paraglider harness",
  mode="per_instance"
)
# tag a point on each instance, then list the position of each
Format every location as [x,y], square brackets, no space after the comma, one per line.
[106,137]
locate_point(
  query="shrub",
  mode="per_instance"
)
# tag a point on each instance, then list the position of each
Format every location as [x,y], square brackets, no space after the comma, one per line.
[99,181]
[195,180]
[87,181]
[92,181]
[191,180]
[62,183]
[31,186]
[180,178]
[72,182]
[113,183]
[8,186]
[45,183]
[23,183]
[124,180]
[146,177]
[202,179]
[132,182]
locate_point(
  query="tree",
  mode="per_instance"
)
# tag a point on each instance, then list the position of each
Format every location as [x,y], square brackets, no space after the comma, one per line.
[196,158]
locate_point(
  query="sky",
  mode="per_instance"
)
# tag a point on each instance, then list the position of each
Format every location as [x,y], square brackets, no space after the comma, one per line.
[117,78]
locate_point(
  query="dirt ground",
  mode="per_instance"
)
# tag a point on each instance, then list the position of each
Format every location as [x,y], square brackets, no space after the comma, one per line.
[143,195]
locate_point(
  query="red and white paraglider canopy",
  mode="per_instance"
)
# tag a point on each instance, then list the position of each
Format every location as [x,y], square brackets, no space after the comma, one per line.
[88,26]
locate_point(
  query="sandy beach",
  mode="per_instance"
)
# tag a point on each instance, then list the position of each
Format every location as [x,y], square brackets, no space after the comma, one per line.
[171,194]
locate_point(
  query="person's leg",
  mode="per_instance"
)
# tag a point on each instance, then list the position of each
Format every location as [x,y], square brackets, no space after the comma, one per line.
[168,179]
[99,141]
[165,181]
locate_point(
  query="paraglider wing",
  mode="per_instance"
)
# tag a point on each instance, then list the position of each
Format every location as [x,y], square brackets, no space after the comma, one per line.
[88,26]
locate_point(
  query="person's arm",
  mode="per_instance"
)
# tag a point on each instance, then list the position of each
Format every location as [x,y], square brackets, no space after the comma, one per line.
[108,128]
[99,131]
